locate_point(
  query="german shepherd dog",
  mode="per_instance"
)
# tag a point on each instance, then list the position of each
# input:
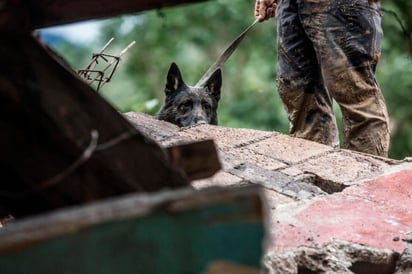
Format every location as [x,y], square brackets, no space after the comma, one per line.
[188,106]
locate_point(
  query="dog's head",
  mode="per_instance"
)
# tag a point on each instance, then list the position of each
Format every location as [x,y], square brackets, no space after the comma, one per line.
[187,106]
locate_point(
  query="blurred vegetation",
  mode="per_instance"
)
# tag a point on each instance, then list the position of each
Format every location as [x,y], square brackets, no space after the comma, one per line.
[194,35]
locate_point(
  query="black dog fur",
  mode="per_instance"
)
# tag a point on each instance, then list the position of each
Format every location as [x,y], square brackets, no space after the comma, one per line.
[187,106]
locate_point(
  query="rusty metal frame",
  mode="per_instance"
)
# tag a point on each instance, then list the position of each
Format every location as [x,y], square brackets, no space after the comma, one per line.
[100,74]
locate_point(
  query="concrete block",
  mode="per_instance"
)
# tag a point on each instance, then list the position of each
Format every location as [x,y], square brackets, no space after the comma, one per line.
[288,149]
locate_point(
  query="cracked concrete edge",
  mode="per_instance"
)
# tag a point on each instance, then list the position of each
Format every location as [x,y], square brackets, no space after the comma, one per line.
[168,134]
[366,168]
[399,166]
[276,181]
[245,147]
[332,168]
[391,167]
[404,265]
[333,257]
[241,137]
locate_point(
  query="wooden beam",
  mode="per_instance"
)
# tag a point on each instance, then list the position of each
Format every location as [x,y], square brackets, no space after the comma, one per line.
[61,143]
[198,160]
[174,232]
[27,15]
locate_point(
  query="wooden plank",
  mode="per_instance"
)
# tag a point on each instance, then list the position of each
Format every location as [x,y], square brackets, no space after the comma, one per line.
[61,143]
[29,15]
[198,160]
[177,232]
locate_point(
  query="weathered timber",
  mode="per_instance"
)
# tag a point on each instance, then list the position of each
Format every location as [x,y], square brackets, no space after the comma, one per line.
[199,160]
[61,143]
[173,232]
[27,15]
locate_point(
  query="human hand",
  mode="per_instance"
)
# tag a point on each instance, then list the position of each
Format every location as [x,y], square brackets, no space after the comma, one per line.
[265,9]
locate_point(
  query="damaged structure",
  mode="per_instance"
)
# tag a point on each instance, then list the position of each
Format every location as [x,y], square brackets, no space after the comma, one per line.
[327,210]
[94,191]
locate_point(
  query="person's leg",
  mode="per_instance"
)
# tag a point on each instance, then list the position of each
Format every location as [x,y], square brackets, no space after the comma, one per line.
[347,36]
[299,82]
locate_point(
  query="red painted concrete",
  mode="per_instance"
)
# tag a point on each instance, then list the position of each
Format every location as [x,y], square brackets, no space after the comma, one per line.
[377,213]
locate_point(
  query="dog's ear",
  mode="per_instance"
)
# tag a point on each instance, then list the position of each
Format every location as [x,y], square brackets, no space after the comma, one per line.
[214,84]
[174,79]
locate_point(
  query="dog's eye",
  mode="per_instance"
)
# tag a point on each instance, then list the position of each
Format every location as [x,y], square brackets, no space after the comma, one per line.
[206,106]
[186,106]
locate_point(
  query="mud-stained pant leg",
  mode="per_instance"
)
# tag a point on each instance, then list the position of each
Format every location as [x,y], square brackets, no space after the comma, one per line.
[347,38]
[300,86]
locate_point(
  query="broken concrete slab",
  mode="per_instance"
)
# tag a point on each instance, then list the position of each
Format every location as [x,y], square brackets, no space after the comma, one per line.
[289,150]
[404,264]
[337,170]
[315,194]
[276,181]
[249,156]
[376,213]
[239,137]
[335,257]
[295,167]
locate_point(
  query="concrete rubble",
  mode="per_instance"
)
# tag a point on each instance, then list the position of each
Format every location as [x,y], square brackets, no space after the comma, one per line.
[330,210]
[334,257]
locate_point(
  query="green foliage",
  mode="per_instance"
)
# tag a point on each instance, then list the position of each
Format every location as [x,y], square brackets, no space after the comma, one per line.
[395,78]
[194,35]
[394,74]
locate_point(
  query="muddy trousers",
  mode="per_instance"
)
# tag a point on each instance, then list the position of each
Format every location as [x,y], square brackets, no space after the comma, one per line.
[328,50]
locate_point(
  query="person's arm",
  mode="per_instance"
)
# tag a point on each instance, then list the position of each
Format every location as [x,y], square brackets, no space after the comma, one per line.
[265,9]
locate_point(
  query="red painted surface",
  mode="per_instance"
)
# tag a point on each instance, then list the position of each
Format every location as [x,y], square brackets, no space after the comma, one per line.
[377,213]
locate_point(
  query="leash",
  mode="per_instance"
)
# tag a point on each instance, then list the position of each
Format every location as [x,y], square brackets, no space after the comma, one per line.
[224,56]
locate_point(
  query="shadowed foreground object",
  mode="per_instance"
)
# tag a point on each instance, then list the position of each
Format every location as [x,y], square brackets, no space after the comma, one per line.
[177,232]
[61,143]
[27,15]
